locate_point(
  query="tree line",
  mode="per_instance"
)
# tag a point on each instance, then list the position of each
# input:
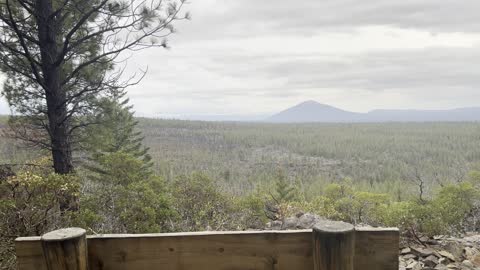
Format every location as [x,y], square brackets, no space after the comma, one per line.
[98,167]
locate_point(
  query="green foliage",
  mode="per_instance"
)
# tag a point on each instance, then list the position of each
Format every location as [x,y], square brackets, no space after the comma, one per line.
[60,58]
[284,190]
[368,207]
[200,204]
[379,157]
[400,214]
[341,202]
[451,210]
[453,204]
[474,178]
[115,131]
[447,213]
[127,199]
[122,168]
[251,210]
[356,173]
[31,200]
[31,204]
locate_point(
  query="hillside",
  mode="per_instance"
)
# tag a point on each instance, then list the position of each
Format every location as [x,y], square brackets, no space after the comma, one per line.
[312,111]
[242,156]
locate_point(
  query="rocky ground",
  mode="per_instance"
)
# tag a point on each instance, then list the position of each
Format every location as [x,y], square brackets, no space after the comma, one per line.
[440,252]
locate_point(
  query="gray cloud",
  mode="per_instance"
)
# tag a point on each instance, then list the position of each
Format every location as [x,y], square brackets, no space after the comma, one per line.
[435,68]
[248,56]
[233,18]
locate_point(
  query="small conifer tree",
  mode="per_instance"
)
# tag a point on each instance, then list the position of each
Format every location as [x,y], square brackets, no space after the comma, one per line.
[115,131]
[285,191]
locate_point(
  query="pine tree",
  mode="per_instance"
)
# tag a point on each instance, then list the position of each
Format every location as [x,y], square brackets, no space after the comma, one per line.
[58,55]
[284,190]
[116,131]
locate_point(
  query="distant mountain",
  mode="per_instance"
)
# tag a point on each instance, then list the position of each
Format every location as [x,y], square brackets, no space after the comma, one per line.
[312,111]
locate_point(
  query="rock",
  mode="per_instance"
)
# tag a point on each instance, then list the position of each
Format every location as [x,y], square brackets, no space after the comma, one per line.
[274,225]
[473,238]
[455,248]
[433,242]
[422,252]
[307,221]
[431,261]
[424,239]
[405,251]
[470,252]
[409,257]
[442,260]
[299,221]
[468,264]
[452,266]
[414,266]
[476,260]
[447,255]
[299,214]
[290,223]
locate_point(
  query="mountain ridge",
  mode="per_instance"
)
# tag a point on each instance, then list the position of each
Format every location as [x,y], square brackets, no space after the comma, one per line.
[313,111]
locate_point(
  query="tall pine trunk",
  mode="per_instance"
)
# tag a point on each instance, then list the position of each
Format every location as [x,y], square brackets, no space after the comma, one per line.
[48,34]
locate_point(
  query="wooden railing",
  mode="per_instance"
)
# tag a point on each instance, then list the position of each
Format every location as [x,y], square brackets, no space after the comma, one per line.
[329,246]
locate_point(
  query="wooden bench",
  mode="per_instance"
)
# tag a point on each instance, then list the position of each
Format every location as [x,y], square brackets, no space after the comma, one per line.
[329,246]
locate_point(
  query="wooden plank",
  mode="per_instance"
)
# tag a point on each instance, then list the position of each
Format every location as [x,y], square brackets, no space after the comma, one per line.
[277,250]
[218,250]
[29,254]
[376,249]
[222,251]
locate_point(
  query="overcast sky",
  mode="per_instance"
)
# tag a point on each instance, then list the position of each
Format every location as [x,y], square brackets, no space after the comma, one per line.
[247,57]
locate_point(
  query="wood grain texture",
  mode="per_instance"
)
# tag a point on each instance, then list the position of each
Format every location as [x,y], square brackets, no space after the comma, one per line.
[376,249]
[273,250]
[268,250]
[29,254]
[333,246]
[65,249]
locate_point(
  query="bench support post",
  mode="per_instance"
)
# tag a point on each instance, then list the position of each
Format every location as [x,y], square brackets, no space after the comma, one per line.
[65,249]
[333,246]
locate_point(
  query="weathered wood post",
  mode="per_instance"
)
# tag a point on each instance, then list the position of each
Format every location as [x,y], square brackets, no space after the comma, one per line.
[333,245]
[65,249]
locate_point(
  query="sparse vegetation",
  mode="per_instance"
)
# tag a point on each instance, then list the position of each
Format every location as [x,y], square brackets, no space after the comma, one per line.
[236,176]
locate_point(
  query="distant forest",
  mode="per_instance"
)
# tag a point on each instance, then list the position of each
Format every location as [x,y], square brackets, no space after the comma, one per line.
[388,158]
[194,176]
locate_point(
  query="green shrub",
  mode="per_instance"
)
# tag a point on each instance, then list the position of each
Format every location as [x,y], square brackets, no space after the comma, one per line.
[32,202]
[201,205]
[127,198]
